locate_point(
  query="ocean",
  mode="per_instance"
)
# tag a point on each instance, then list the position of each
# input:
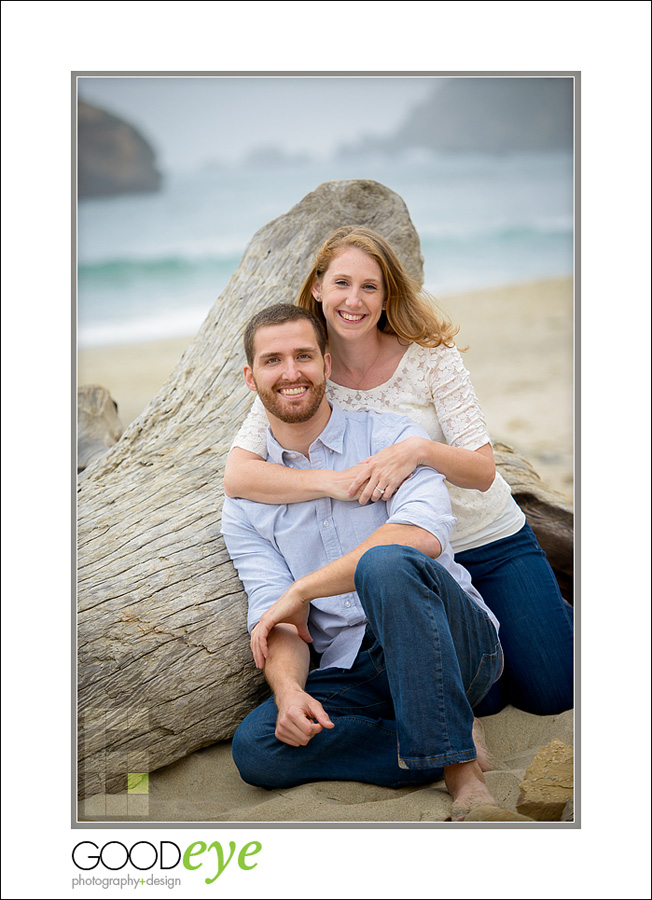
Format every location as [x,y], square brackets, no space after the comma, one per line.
[150,266]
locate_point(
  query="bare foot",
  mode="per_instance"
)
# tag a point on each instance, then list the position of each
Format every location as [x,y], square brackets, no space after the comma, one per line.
[484,759]
[466,785]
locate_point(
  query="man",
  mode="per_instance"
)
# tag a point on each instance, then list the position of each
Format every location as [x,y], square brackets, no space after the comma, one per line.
[404,645]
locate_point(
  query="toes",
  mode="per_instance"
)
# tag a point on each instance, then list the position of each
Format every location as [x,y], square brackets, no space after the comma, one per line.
[458,812]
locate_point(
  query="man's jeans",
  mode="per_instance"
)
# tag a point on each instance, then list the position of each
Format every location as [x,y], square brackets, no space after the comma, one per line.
[404,710]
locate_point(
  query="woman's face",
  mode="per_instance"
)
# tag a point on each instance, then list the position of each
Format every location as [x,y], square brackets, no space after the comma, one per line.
[352,292]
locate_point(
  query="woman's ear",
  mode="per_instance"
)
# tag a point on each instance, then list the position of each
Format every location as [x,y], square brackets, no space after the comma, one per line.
[316,290]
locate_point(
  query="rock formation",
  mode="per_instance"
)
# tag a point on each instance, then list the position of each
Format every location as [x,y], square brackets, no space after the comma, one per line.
[487,115]
[547,788]
[98,425]
[112,157]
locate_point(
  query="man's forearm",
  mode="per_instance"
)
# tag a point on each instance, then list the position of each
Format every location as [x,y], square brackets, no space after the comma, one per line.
[300,717]
[338,577]
[288,663]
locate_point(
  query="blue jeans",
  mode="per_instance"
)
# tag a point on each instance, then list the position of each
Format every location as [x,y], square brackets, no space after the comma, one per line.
[536,625]
[404,709]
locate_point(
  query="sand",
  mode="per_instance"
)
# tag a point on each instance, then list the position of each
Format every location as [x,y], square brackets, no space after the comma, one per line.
[206,786]
[521,363]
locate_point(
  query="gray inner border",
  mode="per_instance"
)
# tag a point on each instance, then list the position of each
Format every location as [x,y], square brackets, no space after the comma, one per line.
[576,76]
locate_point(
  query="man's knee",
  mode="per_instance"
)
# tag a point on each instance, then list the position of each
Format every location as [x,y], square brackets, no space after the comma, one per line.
[385,562]
[251,749]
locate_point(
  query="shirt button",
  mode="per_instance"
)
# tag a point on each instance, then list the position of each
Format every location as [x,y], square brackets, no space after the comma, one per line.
[326,523]
[347,604]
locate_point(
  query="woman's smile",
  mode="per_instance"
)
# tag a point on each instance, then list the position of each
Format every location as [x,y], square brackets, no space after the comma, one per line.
[350,317]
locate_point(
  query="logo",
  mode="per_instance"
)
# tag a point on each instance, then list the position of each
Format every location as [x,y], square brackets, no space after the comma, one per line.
[143,856]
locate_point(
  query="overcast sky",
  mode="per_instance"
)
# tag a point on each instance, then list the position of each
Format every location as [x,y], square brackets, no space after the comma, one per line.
[194,120]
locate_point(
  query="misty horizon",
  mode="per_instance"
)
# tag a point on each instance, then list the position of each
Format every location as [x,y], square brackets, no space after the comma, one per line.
[197,121]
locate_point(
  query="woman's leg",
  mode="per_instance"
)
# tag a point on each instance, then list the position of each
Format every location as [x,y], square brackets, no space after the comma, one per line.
[536,625]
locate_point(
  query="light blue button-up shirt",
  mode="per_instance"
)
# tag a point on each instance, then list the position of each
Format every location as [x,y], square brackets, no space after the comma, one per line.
[274,545]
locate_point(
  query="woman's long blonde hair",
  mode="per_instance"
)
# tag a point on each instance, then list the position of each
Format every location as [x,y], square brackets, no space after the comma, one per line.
[410,313]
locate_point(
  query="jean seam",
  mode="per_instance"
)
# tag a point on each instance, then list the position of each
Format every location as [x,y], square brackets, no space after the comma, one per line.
[334,708]
[351,687]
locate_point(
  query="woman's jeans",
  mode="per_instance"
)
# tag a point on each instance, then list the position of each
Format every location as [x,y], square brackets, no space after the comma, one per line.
[405,708]
[536,624]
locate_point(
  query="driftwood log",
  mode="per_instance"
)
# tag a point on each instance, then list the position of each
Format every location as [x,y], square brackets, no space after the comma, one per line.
[163,654]
[548,513]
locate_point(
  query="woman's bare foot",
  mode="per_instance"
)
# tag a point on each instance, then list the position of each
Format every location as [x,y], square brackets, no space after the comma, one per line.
[466,785]
[484,759]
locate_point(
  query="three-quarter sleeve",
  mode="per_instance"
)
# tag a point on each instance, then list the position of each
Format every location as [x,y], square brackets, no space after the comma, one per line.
[458,410]
[252,435]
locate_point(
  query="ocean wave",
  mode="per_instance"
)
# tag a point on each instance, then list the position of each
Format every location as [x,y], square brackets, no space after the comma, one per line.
[181,323]
[132,267]
[497,230]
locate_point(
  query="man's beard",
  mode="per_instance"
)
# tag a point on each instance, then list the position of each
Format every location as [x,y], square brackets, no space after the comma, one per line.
[291,411]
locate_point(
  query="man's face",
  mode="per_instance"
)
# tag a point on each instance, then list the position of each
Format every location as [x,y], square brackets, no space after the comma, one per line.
[289,371]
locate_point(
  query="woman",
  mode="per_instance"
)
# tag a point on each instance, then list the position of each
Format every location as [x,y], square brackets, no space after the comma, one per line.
[392,353]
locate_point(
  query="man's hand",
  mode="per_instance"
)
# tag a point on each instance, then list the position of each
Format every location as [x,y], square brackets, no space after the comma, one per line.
[297,712]
[291,608]
[338,484]
[383,473]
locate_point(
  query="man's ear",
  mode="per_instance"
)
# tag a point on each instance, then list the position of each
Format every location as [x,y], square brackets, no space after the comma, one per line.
[249,378]
[327,365]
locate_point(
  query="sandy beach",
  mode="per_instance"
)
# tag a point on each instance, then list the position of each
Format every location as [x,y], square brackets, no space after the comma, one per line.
[521,362]
[206,786]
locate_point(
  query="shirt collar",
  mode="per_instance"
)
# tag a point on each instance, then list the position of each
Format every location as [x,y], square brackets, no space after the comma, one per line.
[331,437]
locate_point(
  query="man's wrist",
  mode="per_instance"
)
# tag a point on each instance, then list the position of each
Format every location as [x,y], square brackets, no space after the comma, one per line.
[300,590]
[283,693]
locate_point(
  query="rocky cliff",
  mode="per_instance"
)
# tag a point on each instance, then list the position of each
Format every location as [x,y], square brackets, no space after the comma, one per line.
[112,157]
[487,115]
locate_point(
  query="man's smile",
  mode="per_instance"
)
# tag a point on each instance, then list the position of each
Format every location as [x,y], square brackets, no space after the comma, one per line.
[293,391]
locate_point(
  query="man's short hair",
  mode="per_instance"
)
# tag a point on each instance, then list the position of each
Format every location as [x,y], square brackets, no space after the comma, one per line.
[279,314]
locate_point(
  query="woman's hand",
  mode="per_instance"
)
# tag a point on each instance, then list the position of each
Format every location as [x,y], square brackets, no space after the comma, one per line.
[338,484]
[382,474]
[291,608]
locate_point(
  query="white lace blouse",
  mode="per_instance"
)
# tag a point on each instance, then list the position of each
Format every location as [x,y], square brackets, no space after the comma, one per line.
[432,387]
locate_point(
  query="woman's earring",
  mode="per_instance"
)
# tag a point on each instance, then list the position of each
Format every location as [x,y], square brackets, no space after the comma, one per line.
[318,299]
